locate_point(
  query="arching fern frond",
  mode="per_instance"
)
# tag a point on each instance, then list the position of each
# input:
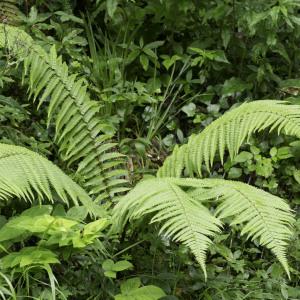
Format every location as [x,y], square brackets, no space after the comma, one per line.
[25,174]
[228,133]
[179,204]
[79,130]
[185,219]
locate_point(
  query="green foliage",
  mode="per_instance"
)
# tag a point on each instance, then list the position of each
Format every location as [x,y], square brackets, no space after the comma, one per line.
[185,218]
[79,133]
[7,288]
[55,235]
[158,72]
[52,230]
[264,216]
[29,176]
[228,133]
[110,268]
[130,289]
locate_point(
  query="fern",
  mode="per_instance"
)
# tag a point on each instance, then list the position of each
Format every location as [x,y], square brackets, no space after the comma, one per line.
[186,219]
[180,203]
[79,131]
[228,133]
[9,12]
[25,174]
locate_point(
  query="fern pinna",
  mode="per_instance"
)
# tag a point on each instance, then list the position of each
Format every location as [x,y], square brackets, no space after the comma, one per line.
[79,130]
[181,203]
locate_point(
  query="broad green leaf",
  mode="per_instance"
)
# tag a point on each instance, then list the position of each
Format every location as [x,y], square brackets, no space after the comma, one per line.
[122,265]
[130,284]
[235,85]
[38,210]
[243,157]
[235,173]
[111,6]
[29,256]
[95,227]
[110,274]
[78,213]
[154,45]
[131,290]
[108,264]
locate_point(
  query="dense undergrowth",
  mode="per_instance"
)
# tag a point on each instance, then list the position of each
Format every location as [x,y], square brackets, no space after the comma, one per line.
[135,163]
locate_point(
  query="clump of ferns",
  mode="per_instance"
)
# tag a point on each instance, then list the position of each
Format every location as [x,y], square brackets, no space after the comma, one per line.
[178,196]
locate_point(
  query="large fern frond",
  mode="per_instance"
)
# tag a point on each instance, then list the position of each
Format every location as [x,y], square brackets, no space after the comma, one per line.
[228,133]
[185,219]
[265,217]
[25,174]
[178,204]
[79,130]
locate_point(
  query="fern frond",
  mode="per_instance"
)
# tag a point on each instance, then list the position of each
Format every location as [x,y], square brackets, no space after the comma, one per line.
[79,130]
[9,11]
[228,133]
[184,219]
[25,174]
[177,203]
[265,217]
